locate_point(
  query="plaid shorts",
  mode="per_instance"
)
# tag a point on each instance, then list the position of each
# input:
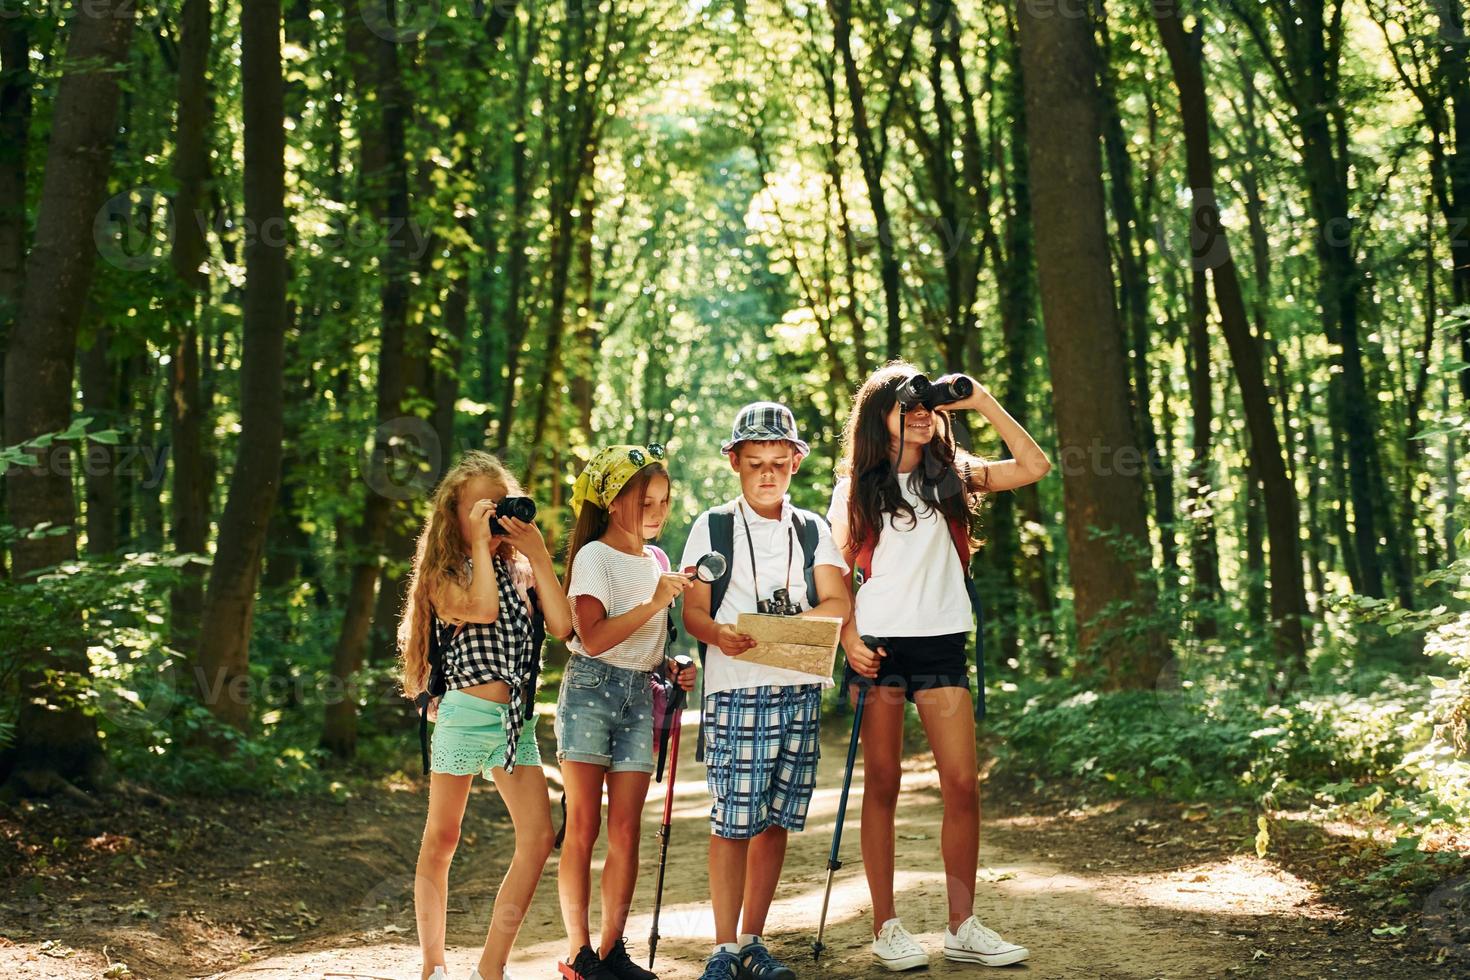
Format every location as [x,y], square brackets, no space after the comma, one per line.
[761,749]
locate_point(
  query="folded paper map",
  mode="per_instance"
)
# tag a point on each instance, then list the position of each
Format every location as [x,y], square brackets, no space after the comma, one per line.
[802,643]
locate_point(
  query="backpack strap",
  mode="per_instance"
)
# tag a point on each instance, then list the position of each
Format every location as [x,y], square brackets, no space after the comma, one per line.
[538,641]
[435,686]
[808,530]
[666,565]
[722,540]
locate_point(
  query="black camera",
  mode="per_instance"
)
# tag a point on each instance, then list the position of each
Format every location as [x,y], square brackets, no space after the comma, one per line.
[919,390]
[521,508]
[779,604]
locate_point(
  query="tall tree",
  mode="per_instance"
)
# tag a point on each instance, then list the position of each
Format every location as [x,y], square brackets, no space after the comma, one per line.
[189,522]
[383,107]
[1212,249]
[1088,365]
[1302,42]
[56,741]
[229,605]
[872,147]
[15,126]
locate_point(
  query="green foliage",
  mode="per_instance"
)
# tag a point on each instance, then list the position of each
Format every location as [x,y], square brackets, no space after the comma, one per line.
[1191,744]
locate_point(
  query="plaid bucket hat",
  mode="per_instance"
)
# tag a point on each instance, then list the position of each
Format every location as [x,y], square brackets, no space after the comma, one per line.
[765,422]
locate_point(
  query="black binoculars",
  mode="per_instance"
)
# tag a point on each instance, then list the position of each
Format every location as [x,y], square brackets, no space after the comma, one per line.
[779,604]
[521,508]
[919,390]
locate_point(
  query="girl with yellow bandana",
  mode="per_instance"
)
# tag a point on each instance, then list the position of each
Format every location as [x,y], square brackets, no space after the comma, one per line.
[620,595]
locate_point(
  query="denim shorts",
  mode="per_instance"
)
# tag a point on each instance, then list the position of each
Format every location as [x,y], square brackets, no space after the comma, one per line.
[469,737]
[604,716]
[760,753]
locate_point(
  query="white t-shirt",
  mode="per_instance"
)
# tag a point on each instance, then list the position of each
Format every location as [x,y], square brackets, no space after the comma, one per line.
[918,586]
[779,561]
[621,582]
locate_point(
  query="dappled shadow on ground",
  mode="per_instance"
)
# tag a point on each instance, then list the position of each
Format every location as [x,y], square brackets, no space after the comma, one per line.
[315,888]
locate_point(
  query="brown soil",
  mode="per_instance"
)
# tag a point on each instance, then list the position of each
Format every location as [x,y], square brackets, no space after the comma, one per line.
[321,887]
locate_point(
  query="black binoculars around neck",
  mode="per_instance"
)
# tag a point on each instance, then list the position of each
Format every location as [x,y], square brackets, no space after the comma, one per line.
[521,508]
[779,604]
[919,390]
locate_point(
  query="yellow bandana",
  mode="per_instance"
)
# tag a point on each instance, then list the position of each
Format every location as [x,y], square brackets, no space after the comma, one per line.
[609,471]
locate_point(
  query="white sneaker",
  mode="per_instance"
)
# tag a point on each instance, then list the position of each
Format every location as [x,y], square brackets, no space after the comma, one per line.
[439,974]
[977,944]
[896,949]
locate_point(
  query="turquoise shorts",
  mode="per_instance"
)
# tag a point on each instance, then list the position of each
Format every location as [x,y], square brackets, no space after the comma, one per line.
[470,736]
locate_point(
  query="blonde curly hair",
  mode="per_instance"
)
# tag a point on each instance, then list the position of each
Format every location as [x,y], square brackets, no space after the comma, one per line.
[439,560]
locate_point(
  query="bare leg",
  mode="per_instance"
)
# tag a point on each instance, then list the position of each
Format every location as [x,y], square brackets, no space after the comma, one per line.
[762,875]
[949,721]
[626,793]
[447,797]
[529,803]
[727,884]
[583,782]
[882,738]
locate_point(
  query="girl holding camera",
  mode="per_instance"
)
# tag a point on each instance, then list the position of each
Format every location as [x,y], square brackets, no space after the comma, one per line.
[901,514]
[471,583]
[621,590]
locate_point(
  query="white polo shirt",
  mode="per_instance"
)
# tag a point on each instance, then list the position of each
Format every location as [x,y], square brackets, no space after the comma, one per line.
[778,564]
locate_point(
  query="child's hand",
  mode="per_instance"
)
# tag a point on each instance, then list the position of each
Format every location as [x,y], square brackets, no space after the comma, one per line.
[732,642]
[864,660]
[684,678]
[433,713]
[671,585]
[480,513]
[526,538]
[977,398]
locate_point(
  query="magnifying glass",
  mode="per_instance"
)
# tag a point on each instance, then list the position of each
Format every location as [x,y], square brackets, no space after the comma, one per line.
[711,568]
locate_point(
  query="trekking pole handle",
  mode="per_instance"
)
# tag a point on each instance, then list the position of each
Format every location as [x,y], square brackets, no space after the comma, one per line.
[682,662]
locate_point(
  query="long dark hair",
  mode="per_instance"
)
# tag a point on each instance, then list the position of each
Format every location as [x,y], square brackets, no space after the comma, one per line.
[874,489]
[593,520]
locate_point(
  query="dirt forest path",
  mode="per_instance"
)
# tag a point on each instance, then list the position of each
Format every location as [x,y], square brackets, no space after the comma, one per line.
[1108,893]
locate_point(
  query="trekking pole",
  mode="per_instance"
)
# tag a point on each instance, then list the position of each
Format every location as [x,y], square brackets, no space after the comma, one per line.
[676,707]
[833,864]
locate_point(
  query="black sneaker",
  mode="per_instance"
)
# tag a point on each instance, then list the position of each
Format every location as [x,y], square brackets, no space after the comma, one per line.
[619,964]
[586,967]
[761,965]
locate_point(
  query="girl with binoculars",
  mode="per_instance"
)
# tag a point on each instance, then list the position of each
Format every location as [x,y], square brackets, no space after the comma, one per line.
[901,513]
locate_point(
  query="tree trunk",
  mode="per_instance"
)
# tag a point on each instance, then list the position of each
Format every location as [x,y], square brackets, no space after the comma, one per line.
[382,104]
[15,125]
[56,740]
[188,411]
[1204,549]
[516,319]
[102,398]
[1211,249]
[223,668]
[1133,292]
[872,165]
[1455,64]
[1088,365]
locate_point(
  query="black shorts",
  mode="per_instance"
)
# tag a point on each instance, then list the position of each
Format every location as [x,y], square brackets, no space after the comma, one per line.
[921,663]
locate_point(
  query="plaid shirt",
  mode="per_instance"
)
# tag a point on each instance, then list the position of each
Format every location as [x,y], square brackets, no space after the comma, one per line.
[498,651]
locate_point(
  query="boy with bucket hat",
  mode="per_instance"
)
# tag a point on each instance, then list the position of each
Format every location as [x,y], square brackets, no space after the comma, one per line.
[759,734]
